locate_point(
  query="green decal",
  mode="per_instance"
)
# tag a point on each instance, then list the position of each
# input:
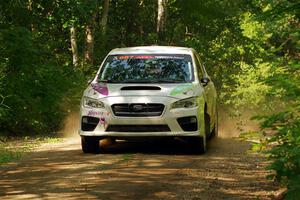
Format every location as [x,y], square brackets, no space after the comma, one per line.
[181,89]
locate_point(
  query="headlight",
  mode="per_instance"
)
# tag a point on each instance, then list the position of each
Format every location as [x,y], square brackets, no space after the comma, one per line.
[185,103]
[92,103]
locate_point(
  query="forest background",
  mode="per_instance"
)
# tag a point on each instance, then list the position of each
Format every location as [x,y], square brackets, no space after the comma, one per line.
[49,49]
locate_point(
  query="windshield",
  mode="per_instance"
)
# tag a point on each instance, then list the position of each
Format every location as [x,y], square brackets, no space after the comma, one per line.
[147,69]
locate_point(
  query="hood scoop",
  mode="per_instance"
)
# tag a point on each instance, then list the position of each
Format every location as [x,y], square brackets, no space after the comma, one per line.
[141,88]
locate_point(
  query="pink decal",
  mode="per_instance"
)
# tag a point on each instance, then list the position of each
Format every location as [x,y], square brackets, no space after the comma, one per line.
[102,120]
[141,57]
[146,57]
[94,113]
[102,89]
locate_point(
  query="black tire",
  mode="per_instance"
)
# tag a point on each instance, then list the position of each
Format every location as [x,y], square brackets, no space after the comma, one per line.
[207,125]
[199,145]
[90,144]
[214,132]
[111,140]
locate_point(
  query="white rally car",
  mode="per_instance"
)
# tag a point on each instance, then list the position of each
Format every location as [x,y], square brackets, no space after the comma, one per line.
[151,91]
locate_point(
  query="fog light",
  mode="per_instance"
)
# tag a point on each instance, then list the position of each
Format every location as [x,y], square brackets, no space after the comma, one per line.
[85,120]
[193,120]
[188,123]
[89,123]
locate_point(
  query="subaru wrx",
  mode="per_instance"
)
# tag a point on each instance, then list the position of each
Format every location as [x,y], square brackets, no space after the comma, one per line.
[150,91]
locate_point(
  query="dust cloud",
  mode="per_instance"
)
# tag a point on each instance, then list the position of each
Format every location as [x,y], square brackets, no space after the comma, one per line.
[233,126]
[228,126]
[71,126]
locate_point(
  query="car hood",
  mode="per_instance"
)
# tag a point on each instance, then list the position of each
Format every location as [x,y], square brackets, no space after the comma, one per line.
[182,90]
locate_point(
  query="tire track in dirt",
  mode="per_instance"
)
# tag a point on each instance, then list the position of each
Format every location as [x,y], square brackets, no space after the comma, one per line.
[138,170]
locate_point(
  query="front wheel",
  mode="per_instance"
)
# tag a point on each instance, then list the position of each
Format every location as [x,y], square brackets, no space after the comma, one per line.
[199,145]
[214,132]
[90,144]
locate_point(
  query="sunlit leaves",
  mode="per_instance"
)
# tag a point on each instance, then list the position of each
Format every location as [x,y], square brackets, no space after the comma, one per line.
[253,29]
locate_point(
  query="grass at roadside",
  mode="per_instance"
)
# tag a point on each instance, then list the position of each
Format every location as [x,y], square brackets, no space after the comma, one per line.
[12,149]
[7,155]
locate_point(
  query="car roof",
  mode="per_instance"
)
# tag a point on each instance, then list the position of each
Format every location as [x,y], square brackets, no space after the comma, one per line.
[151,50]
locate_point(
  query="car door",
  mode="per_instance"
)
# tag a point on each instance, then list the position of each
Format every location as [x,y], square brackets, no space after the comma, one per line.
[209,90]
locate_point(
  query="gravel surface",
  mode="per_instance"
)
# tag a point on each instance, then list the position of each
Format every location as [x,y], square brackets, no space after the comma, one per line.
[139,170]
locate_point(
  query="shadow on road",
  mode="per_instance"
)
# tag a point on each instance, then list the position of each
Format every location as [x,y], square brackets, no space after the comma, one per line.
[138,170]
[165,146]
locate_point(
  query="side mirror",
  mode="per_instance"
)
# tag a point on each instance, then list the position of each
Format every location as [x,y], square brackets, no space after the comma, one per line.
[204,81]
[90,81]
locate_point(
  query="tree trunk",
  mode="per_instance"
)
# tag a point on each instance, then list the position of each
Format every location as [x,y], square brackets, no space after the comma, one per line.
[103,21]
[161,19]
[89,40]
[74,45]
[29,7]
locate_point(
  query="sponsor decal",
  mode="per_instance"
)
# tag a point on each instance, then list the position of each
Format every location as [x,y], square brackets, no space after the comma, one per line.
[102,89]
[182,89]
[98,113]
[146,57]
[94,113]
[102,121]
[170,57]
[142,57]
[102,117]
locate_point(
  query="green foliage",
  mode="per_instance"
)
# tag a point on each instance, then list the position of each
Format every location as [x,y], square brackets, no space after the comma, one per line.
[34,77]
[274,31]
[285,152]
[253,55]
[8,155]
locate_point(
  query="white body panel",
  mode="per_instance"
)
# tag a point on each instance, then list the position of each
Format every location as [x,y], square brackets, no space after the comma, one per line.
[167,95]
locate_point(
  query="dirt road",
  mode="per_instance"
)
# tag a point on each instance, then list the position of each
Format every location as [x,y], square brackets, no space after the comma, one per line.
[144,170]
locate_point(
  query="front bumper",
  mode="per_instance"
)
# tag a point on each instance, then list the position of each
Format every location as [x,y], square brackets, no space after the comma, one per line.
[169,118]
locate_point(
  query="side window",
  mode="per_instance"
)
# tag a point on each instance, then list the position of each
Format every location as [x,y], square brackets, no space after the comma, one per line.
[199,67]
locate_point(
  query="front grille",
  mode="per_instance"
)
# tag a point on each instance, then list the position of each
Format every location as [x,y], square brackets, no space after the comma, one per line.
[138,110]
[138,128]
